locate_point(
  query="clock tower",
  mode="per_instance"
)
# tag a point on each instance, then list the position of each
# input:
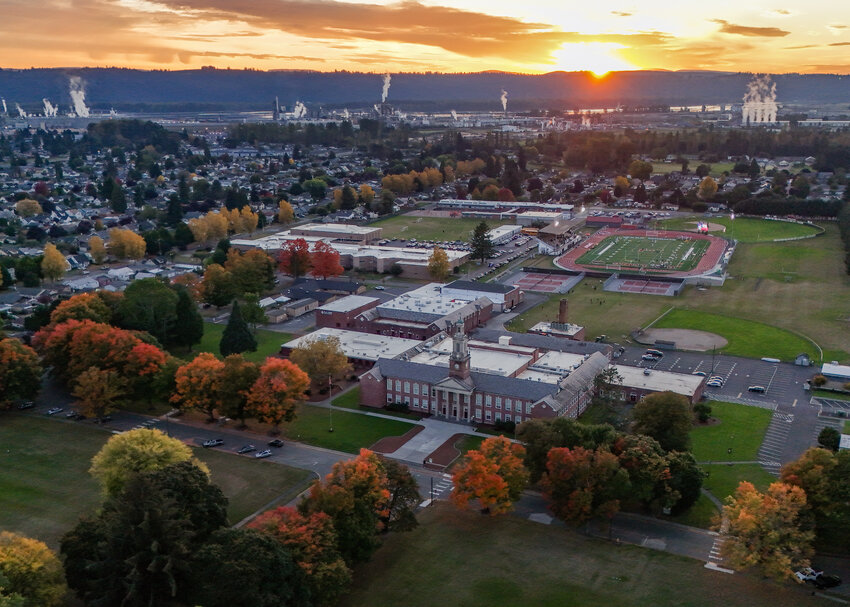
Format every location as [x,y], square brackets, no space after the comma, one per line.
[459,360]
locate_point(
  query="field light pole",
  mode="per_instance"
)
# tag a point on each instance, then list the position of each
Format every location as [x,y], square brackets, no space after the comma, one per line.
[330,405]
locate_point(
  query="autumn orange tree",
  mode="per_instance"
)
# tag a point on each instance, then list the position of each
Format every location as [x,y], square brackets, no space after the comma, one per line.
[238,376]
[493,476]
[278,390]
[325,260]
[581,483]
[198,384]
[294,258]
[20,371]
[84,306]
[97,391]
[356,497]
[311,539]
[767,530]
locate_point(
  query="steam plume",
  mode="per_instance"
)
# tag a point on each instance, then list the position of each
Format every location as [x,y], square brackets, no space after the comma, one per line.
[386,88]
[454,115]
[21,111]
[78,96]
[50,110]
[5,111]
[760,101]
[504,100]
[299,111]
[346,114]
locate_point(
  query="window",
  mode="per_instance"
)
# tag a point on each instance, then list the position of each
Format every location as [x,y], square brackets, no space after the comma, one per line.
[424,389]
[489,400]
[416,402]
[407,400]
[397,386]
[389,398]
[424,403]
[528,408]
[519,419]
[498,417]
[433,391]
[416,389]
[389,384]
[507,417]
[478,414]
[478,399]
[507,404]
[433,406]
[407,387]
[487,416]
[498,402]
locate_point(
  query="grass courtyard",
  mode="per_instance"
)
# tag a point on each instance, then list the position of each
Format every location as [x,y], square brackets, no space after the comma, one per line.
[659,254]
[268,342]
[430,228]
[351,431]
[468,560]
[45,486]
[739,427]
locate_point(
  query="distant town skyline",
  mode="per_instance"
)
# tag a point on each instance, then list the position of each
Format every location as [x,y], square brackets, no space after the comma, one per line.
[471,35]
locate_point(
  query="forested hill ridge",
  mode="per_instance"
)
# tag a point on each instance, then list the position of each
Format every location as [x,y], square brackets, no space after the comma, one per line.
[248,89]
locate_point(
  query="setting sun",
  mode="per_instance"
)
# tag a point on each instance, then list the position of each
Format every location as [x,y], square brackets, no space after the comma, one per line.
[595,57]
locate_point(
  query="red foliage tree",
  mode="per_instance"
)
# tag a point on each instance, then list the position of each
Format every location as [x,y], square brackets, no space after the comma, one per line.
[505,195]
[312,541]
[493,476]
[294,258]
[278,391]
[198,384]
[325,260]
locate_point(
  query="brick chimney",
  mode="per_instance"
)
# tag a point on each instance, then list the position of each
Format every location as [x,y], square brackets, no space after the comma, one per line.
[562,311]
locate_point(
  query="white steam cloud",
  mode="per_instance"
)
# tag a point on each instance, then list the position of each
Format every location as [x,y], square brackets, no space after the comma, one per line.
[386,90]
[454,115]
[5,110]
[299,111]
[78,97]
[346,114]
[504,100]
[760,101]
[50,110]
[21,111]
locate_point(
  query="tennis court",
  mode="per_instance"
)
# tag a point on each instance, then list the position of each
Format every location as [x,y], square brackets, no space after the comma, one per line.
[546,283]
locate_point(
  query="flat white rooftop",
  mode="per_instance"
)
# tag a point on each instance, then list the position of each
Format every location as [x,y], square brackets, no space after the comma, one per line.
[560,361]
[836,370]
[659,381]
[364,346]
[541,376]
[484,361]
[503,230]
[426,299]
[341,228]
[346,304]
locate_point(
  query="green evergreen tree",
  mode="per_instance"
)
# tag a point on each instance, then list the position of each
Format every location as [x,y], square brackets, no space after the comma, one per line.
[174,211]
[482,246]
[117,199]
[183,236]
[237,337]
[189,328]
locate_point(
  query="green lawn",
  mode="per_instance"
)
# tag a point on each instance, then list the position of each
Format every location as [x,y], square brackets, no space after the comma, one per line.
[268,342]
[464,559]
[745,229]
[352,431]
[430,228]
[723,479]
[349,400]
[45,486]
[702,514]
[660,254]
[741,428]
[746,337]
[831,394]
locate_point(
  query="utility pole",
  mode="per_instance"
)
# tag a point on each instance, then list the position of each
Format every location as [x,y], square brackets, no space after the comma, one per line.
[330,406]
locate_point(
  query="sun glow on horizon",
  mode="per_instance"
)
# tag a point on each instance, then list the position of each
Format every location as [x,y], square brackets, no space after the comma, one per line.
[597,58]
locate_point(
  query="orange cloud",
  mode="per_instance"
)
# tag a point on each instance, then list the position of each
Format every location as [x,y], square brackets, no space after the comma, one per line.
[745,30]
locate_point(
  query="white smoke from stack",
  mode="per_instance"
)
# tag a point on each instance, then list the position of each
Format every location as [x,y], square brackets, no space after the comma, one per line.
[50,110]
[21,111]
[504,100]
[454,115]
[5,110]
[78,96]
[759,101]
[346,114]
[386,90]
[299,111]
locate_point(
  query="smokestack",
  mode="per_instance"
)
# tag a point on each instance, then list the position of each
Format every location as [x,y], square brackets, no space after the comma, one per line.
[276,110]
[562,311]
[386,89]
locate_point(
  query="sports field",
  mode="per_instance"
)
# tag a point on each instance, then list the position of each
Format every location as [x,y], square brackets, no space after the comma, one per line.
[744,229]
[430,228]
[638,252]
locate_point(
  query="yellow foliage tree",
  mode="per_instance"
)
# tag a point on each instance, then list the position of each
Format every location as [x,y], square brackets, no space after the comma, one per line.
[285,212]
[53,264]
[438,265]
[248,219]
[200,229]
[321,359]
[707,188]
[217,225]
[126,244]
[367,194]
[28,207]
[97,249]
[31,570]
[97,390]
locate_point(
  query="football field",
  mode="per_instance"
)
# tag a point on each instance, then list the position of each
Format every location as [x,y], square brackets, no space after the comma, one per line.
[679,254]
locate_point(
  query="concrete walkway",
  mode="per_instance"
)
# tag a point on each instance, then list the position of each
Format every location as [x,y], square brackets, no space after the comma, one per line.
[436,433]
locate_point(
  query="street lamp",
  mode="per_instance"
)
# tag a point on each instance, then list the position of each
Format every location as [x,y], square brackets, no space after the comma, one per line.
[330,406]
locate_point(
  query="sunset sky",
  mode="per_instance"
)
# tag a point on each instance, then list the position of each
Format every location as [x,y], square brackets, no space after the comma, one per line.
[471,35]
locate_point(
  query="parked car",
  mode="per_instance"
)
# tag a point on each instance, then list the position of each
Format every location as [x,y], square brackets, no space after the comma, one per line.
[263,454]
[213,442]
[54,410]
[649,357]
[716,378]
[380,287]
[817,578]
[246,449]
[276,443]
[700,373]
[758,389]
[714,384]
[27,404]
